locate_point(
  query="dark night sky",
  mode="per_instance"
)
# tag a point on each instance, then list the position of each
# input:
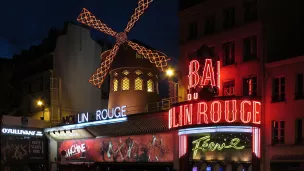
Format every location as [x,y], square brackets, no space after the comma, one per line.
[26,23]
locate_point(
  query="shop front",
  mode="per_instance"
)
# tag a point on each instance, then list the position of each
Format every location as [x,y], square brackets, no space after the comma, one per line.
[217,135]
[137,143]
[23,149]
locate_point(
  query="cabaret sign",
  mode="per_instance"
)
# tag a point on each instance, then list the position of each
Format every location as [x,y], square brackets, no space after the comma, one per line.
[209,76]
[204,144]
[21,132]
[99,115]
[214,112]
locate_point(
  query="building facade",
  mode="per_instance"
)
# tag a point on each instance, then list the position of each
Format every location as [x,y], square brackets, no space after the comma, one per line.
[248,40]
[55,71]
[23,144]
[284,115]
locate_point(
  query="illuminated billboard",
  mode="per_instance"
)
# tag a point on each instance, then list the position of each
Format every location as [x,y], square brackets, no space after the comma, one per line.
[135,148]
[213,112]
[221,146]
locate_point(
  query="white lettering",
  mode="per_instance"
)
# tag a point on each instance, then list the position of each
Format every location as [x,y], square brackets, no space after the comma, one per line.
[115,112]
[104,117]
[98,115]
[76,149]
[123,110]
[21,132]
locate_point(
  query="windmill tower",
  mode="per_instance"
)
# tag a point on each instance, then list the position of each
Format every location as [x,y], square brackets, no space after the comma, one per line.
[132,56]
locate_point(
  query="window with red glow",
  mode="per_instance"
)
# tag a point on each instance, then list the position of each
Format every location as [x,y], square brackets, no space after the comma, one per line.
[228,88]
[228,53]
[250,86]
[278,132]
[278,89]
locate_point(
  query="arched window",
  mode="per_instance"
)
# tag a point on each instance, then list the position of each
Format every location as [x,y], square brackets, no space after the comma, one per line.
[125,72]
[115,85]
[138,84]
[138,72]
[150,87]
[125,84]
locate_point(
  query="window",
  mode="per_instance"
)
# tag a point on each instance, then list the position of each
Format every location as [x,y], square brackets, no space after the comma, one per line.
[209,24]
[125,72]
[138,84]
[250,48]
[250,10]
[278,132]
[229,17]
[228,88]
[115,85]
[299,93]
[250,86]
[150,74]
[299,130]
[278,89]
[115,74]
[138,72]
[228,53]
[192,31]
[125,84]
[150,87]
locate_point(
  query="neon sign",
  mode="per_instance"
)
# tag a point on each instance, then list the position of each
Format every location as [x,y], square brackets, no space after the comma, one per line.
[99,115]
[208,75]
[21,132]
[219,111]
[204,145]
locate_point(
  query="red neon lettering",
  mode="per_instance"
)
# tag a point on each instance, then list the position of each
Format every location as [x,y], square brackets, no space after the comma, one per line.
[208,73]
[195,96]
[189,96]
[202,111]
[170,119]
[193,75]
[174,118]
[255,112]
[227,111]
[180,119]
[248,119]
[218,71]
[218,112]
[188,114]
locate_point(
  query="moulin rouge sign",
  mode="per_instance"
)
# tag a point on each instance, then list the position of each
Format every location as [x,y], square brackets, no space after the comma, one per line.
[197,112]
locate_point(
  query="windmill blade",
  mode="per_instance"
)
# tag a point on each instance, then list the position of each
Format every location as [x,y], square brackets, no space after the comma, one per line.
[100,74]
[86,17]
[155,57]
[139,10]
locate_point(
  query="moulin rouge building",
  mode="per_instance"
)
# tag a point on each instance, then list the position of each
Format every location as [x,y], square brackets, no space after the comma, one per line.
[203,131]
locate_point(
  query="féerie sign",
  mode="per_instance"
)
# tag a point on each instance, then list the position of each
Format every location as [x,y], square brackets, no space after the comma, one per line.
[204,144]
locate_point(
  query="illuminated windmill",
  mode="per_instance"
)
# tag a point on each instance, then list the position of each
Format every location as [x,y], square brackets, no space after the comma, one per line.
[86,17]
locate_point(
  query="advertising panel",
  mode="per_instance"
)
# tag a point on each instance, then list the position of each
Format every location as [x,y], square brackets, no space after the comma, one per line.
[221,146]
[22,149]
[135,148]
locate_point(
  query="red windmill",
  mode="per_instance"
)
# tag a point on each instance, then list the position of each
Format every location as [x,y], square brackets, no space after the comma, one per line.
[86,17]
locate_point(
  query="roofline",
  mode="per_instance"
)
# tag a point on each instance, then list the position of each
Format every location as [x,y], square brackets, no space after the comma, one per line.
[289,61]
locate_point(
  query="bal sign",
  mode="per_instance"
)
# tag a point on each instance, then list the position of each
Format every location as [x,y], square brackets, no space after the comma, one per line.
[212,112]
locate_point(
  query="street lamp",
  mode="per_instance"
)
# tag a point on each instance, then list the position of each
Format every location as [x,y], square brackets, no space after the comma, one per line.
[40,103]
[172,85]
[169,72]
